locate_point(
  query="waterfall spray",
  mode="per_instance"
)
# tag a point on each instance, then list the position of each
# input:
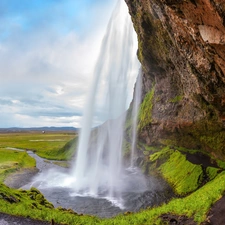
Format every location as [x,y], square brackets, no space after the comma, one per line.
[135,110]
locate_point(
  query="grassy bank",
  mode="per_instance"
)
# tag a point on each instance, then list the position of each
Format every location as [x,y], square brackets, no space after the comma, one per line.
[11,161]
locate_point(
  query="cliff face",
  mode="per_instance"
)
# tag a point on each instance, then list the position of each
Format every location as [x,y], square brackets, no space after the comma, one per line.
[182,52]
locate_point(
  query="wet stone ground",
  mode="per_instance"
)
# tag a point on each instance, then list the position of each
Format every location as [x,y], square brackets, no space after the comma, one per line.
[6,219]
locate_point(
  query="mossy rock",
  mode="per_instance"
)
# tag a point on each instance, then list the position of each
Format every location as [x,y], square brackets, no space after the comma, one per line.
[184,176]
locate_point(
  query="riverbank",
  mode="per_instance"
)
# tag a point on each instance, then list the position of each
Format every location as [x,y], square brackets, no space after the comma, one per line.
[20,178]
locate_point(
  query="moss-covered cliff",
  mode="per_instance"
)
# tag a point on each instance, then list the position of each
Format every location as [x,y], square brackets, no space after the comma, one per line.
[182,52]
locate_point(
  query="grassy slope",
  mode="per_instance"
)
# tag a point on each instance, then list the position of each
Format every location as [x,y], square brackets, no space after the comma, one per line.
[10,161]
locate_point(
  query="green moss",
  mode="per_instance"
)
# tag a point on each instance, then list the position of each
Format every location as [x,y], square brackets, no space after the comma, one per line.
[165,152]
[183,176]
[221,164]
[153,41]
[214,141]
[207,135]
[176,99]
[126,148]
[212,172]
[32,204]
[145,113]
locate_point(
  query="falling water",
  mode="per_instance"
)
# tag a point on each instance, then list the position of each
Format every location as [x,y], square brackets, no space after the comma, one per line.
[135,110]
[98,167]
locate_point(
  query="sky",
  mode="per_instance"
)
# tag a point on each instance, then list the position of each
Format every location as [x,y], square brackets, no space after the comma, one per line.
[48,50]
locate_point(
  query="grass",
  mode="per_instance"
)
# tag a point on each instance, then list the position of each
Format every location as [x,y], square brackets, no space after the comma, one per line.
[48,145]
[11,161]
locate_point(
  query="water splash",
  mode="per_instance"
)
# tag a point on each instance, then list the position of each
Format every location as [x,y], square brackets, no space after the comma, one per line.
[98,167]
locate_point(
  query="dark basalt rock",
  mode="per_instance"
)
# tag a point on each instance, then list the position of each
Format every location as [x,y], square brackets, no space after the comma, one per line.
[216,214]
[177,220]
[182,52]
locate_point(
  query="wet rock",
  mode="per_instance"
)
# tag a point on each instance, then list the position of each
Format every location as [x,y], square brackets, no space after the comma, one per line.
[177,220]
[10,198]
[6,219]
[217,212]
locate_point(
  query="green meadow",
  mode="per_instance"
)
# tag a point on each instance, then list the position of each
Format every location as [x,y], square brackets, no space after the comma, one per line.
[48,145]
[13,146]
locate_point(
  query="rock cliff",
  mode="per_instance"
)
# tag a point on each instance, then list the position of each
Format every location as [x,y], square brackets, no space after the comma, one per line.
[182,52]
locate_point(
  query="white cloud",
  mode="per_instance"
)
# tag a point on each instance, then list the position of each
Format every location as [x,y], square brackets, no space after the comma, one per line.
[52,72]
[45,74]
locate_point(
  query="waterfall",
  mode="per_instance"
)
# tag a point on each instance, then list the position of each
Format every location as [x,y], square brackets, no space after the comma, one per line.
[98,167]
[134,115]
[99,183]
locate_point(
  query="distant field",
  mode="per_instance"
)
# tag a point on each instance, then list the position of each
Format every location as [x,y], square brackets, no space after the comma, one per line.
[50,145]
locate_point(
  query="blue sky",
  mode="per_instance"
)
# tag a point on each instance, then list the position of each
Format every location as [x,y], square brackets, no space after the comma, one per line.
[48,49]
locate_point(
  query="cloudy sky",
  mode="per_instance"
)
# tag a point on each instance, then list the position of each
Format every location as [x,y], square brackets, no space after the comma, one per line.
[48,49]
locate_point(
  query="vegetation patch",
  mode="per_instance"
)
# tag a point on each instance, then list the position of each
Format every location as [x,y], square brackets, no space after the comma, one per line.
[183,176]
[215,141]
[145,113]
[176,99]
[66,152]
[126,148]
[11,161]
[48,145]
[32,204]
